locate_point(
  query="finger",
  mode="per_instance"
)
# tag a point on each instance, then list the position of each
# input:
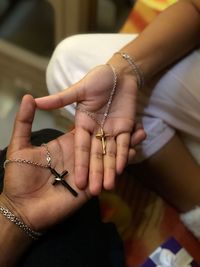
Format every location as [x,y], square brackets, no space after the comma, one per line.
[96,167]
[82,155]
[131,156]
[109,162]
[137,137]
[123,142]
[23,123]
[61,99]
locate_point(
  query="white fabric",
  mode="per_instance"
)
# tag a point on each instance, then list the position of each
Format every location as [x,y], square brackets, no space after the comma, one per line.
[164,257]
[191,220]
[174,103]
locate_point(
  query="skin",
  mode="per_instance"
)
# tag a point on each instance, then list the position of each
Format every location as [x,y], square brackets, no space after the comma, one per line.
[32,194]
[88,149]
[173,34]
[28,191]
[175,180]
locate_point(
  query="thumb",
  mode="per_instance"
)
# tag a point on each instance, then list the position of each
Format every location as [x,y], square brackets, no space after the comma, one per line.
[61,99]
[23,123]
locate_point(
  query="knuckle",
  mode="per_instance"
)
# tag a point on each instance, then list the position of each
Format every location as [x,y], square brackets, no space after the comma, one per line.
[123,155]
[97,155]
[96,173]
[81,165]
[82,148]
[124,145]
[111,168]
[111,154]
[95,190]
[109,185]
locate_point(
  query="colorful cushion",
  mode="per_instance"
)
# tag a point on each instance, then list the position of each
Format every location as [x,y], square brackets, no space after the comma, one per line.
[144,220]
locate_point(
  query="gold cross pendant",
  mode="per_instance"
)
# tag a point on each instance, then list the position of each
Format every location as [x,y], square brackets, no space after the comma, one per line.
[102,136]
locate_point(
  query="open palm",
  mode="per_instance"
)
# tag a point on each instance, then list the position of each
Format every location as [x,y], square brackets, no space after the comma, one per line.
[27,188]
[92,94]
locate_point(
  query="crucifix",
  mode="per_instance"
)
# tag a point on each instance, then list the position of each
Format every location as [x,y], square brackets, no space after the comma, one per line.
[59,178]
[102,136]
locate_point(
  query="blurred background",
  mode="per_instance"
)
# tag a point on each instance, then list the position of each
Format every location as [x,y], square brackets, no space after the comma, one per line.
[29,32]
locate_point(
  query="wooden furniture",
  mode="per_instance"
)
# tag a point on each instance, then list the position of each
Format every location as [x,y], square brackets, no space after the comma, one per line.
[23,69]
[26,69]
[73,16]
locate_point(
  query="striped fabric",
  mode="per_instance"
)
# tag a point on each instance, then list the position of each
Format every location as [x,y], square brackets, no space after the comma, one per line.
[142,13]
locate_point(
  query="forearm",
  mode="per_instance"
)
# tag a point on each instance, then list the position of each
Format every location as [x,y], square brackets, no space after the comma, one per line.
[13,242]
[169,37]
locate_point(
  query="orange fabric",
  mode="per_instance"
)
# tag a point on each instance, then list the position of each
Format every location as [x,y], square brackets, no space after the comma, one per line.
[142,13]
[144,220]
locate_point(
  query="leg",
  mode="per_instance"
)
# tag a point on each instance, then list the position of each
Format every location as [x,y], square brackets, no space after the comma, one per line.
[175,175]
[172,103]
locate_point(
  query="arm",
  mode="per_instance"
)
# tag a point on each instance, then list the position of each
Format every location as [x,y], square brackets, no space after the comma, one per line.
[173,34]
[12,242]
[28,191]
[170,36]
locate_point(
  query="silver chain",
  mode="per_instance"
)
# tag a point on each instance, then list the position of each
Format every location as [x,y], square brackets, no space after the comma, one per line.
[92,115]
[11,217]
[58,176]
[135,68]
[30,162]
[48,157]
[8,214]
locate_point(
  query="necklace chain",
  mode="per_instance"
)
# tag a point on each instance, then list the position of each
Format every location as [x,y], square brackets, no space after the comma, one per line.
[58,177]
[30,162]
[92,115]
[48,156]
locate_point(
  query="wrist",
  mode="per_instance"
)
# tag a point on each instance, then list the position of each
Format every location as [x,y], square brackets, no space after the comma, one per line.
[13,241]
[8,204]
[122,67]
[10,232]
[127,67]
[12,214]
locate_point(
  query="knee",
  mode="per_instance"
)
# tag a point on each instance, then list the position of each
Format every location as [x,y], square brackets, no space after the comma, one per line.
[63,68]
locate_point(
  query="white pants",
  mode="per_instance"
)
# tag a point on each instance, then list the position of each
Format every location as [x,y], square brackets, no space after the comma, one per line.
[172,105]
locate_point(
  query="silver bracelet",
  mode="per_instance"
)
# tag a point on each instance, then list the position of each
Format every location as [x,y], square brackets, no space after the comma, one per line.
[136,69]
[10,216]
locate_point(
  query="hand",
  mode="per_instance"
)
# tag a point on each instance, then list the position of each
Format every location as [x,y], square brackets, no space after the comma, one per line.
[28,190]
[93,92]
[137,136]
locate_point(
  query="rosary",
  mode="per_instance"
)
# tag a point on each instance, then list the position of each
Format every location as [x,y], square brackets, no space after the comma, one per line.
[58,177]
[101,135]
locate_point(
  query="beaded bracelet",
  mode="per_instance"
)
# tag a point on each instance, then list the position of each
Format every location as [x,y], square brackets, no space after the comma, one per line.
[11,217]
[136,69]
